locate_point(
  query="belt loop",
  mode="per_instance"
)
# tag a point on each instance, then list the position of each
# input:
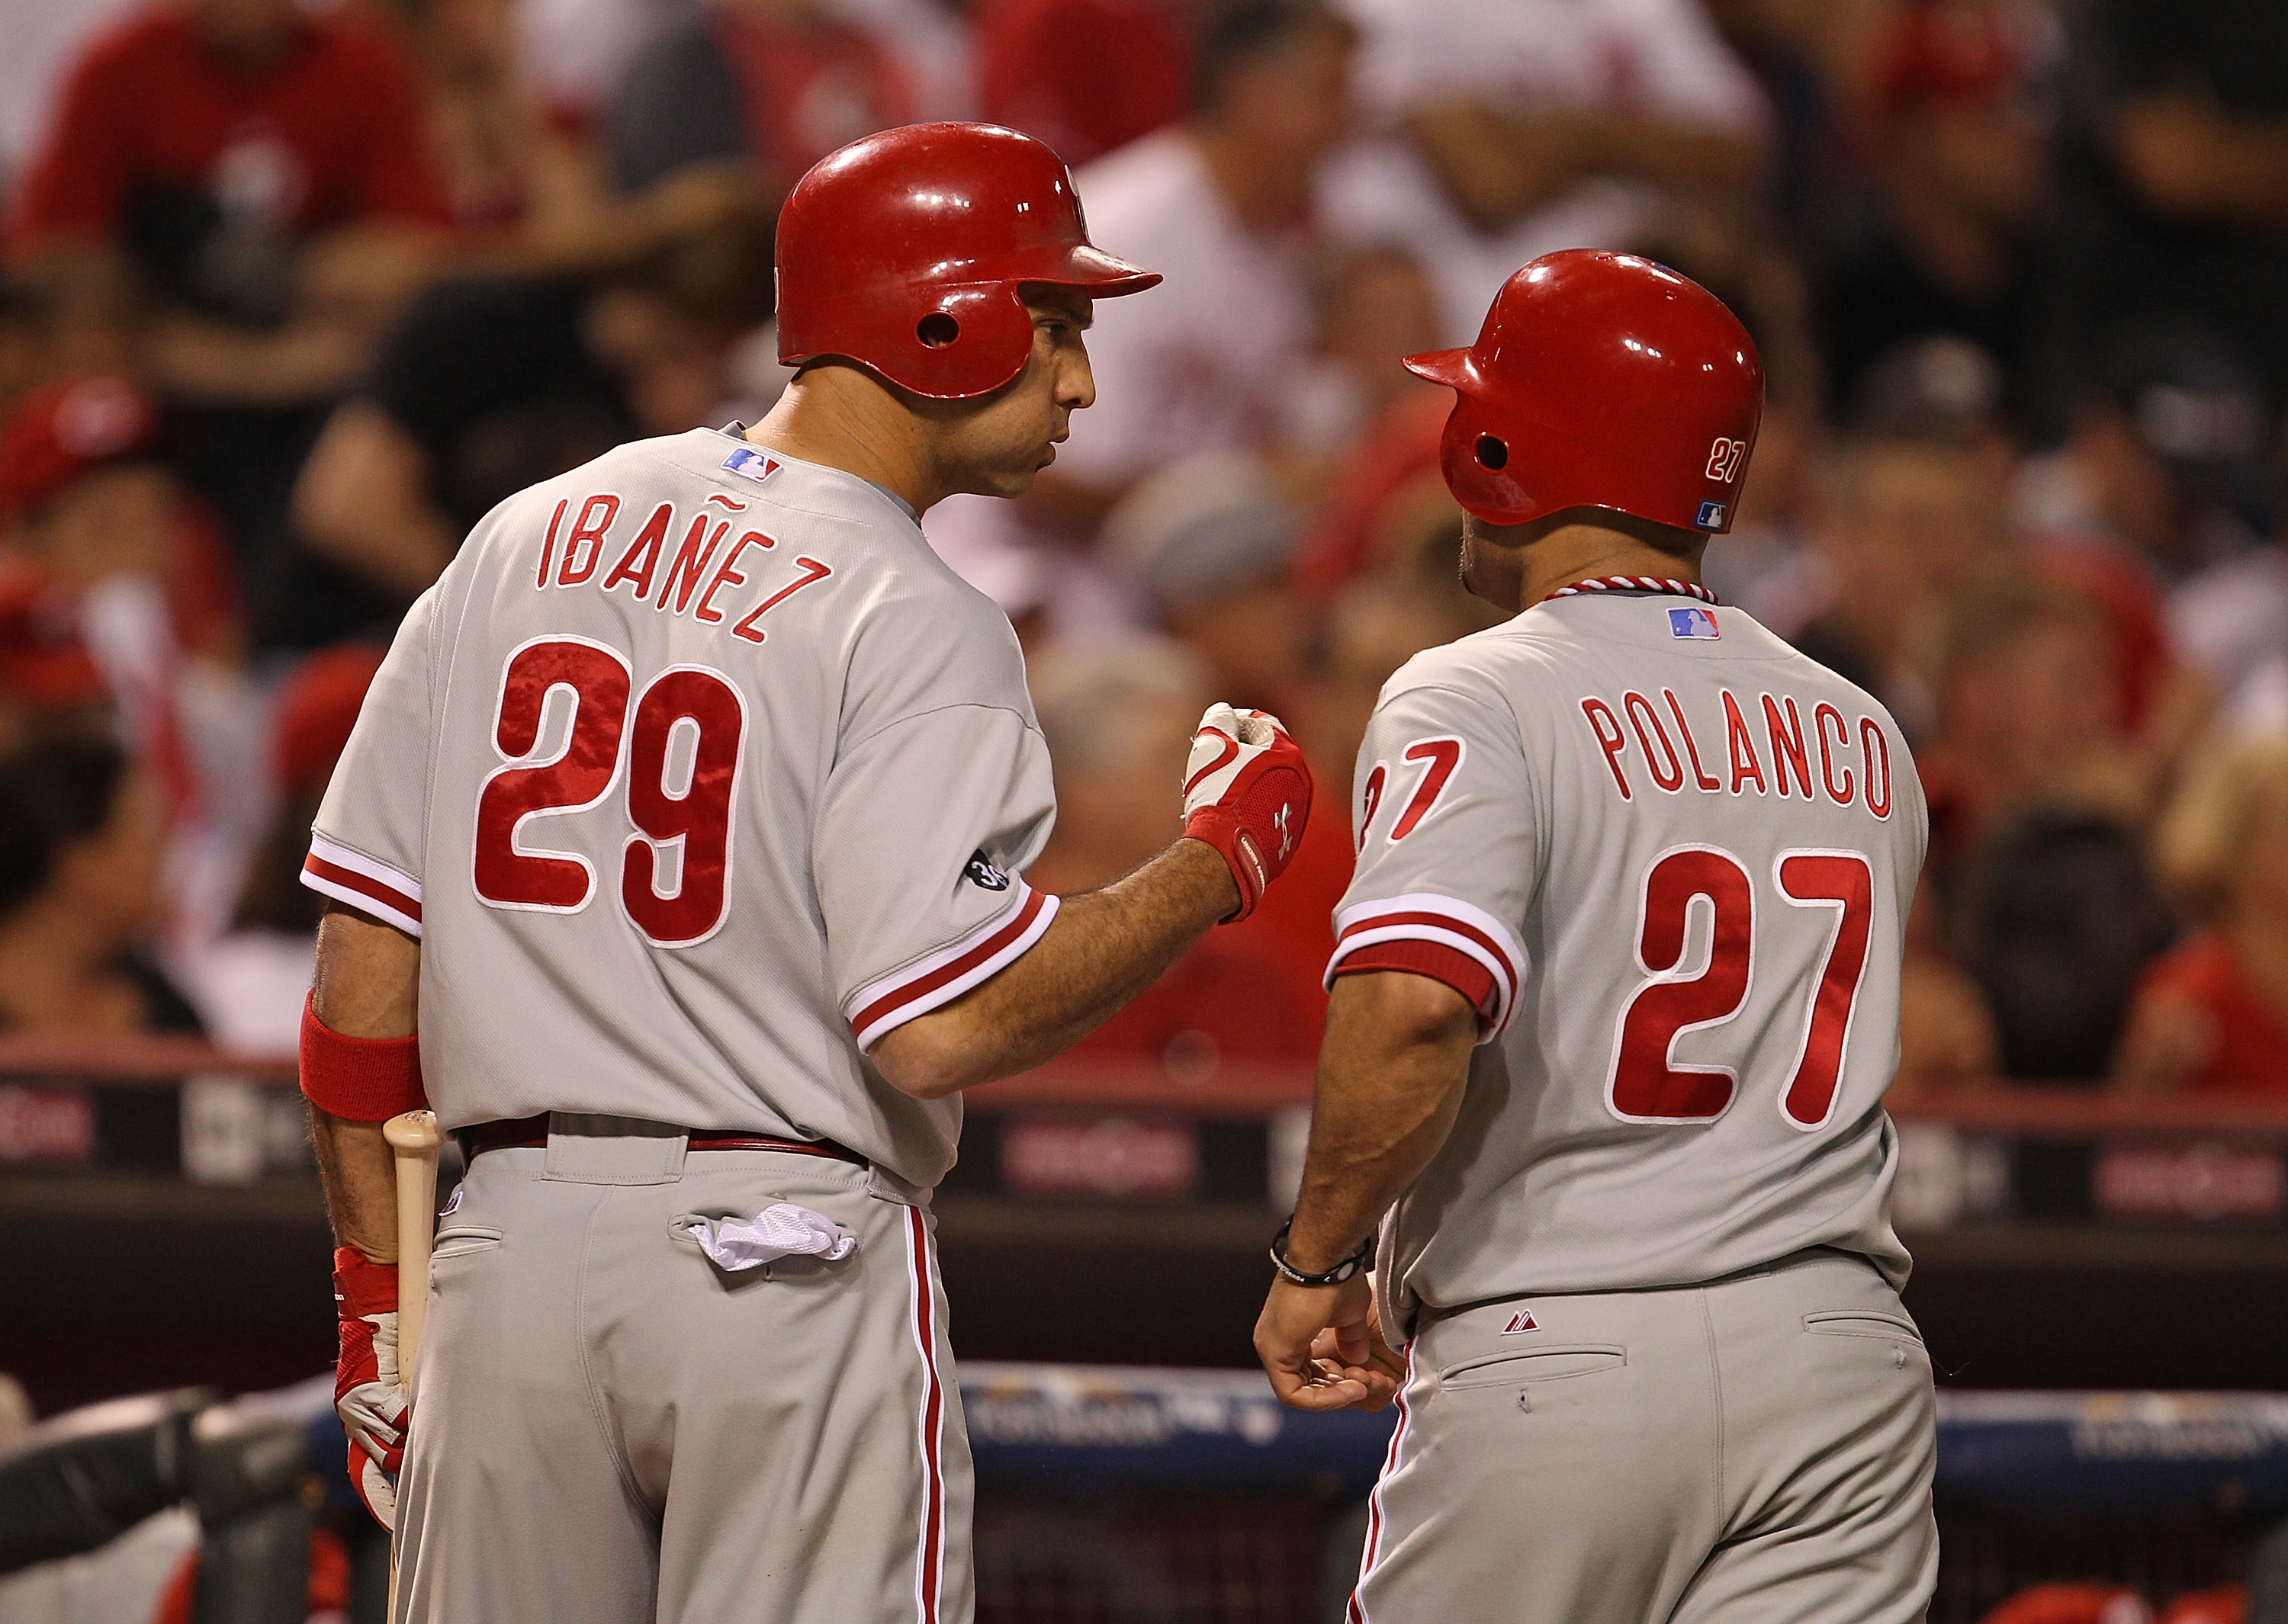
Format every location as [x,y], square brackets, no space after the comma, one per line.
[585,1148]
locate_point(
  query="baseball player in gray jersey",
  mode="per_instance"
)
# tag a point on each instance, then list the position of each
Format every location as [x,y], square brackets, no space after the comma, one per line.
[1615,1001]
[687,821]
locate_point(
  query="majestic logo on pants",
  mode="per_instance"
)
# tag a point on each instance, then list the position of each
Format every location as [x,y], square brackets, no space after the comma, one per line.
[1521,1321]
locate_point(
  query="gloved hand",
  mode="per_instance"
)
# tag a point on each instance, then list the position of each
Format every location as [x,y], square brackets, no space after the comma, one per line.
[367,1393]
[1247,793]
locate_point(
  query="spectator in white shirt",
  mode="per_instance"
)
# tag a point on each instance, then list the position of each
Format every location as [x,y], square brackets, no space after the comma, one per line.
[1217,359]
[1221,204]
[1505,129]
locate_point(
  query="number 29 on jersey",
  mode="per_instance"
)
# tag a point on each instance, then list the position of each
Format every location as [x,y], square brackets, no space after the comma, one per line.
[679,741]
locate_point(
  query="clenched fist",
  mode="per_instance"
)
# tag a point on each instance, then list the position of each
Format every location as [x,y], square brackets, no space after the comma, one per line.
[1247,793]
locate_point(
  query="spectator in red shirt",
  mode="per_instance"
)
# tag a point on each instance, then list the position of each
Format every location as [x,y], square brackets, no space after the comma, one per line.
[2212,1015]
[263,166]
[1087,76]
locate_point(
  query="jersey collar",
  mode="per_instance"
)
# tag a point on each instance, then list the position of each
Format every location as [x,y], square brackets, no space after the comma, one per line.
[1653,584]
[736,430]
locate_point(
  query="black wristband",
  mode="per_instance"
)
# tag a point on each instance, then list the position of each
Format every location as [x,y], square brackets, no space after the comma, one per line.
[1363,1258]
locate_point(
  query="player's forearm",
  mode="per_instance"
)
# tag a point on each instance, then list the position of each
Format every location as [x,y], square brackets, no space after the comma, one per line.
[355,1165]
[366,986]
[1391,1076]
[1104,947]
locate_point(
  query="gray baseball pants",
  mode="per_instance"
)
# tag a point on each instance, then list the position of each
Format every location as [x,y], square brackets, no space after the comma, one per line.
[609,1428]
[1754,1451]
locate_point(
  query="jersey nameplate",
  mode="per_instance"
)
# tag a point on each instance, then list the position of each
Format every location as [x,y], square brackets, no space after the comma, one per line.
[682,576]
[1802,758]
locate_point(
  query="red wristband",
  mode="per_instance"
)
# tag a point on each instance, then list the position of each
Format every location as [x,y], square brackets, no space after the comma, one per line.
[363,1287]
[359,1080]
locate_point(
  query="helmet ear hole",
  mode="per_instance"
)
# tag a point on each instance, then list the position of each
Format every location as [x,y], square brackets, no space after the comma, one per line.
[1491,453]
[937,330]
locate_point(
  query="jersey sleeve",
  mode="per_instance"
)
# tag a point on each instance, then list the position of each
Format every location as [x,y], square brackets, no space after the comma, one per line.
[922,832]
[367,844]
[1445,821]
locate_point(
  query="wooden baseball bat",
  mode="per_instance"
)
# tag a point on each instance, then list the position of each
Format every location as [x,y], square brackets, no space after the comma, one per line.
[415,1140]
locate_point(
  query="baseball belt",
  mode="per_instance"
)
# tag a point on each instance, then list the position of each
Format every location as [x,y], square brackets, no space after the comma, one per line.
[531,1132]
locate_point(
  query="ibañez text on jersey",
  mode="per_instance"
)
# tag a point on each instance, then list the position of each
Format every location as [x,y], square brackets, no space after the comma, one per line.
[1823,754]
[645,561]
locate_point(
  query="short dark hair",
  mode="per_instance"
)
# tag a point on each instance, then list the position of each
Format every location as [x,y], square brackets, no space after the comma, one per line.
[52,793]
[1242,31]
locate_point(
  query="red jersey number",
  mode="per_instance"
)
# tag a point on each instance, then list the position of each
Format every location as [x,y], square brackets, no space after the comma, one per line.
[1646,1084]
[683,738]
[596,680]
[694,822]
[1844,881]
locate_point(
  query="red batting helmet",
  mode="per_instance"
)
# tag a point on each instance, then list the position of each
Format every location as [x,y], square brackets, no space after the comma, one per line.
[1603,381]
[903,250]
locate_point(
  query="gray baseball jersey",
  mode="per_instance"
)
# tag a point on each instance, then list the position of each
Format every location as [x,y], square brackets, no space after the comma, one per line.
[1669,860]
[696,774]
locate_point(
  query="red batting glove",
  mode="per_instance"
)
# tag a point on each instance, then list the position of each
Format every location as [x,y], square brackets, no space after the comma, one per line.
[367,1394]
[1247,793]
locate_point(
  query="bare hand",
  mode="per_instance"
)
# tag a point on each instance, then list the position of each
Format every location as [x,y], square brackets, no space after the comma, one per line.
[1323,1347]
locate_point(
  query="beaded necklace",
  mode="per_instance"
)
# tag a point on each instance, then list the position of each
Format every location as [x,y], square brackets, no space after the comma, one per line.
[1636,583]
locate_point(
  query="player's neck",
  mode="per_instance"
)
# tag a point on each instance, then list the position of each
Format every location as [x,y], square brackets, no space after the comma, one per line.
[1599,553]
[1515,567]
[822,418]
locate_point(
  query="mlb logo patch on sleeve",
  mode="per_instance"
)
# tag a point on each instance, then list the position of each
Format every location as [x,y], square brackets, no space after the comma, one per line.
[756,464]
[1693,623]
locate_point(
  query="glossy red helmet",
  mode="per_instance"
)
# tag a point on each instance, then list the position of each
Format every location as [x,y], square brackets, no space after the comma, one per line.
[1604,381]
[904,250]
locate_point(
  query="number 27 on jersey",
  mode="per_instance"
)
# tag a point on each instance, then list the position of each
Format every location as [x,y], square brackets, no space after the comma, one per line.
[1646,1083]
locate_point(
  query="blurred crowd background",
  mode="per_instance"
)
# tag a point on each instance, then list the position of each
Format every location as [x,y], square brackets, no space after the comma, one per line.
[293,294]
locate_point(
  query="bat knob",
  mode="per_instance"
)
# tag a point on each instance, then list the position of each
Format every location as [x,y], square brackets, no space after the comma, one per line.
[415,1131]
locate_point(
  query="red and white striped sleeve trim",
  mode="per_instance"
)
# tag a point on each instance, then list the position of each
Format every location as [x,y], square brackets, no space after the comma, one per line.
[1425,916]
[371,887]
[881,1006]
